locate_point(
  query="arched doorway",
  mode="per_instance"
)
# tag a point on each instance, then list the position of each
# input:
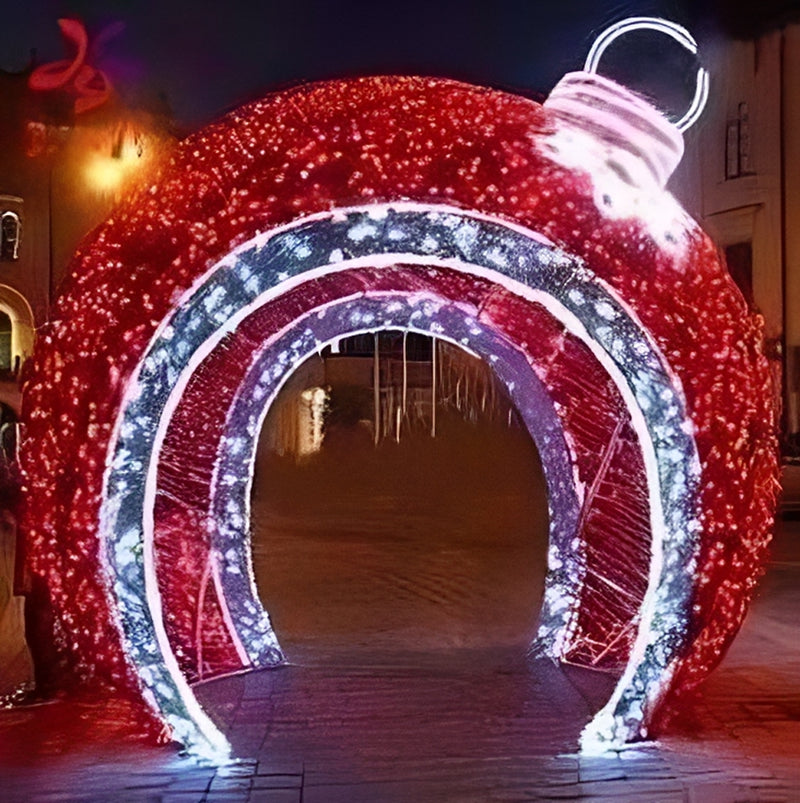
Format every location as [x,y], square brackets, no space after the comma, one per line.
[274,332]
[398,505]
[16,330]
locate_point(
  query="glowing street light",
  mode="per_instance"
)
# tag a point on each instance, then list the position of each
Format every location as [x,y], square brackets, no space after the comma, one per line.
[108,171]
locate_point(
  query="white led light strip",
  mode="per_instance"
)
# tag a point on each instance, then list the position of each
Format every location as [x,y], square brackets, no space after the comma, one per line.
[679,34]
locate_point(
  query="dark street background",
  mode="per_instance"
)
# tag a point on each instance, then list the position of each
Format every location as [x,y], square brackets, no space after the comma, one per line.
[206,59]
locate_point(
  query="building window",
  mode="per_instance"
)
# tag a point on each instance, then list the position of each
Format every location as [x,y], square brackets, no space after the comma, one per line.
[5,342]
[10,230]
[738,146]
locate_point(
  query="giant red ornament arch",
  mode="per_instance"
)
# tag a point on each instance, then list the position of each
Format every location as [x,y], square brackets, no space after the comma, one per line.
[539,237]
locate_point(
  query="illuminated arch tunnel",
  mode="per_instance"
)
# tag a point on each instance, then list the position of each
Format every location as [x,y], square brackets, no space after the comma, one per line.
[537,237]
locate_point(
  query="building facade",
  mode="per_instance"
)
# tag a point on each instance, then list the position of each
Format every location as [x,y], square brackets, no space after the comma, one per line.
[60,175]
[25,265]
[741,179]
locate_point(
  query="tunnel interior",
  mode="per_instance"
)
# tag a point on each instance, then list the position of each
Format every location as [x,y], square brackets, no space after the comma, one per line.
[398,506]
[575,380]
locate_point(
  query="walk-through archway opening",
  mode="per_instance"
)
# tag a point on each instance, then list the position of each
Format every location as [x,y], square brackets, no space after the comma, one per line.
[398,506]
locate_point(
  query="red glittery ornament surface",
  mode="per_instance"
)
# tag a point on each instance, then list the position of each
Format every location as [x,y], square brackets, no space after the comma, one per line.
[605,449]
[345,143]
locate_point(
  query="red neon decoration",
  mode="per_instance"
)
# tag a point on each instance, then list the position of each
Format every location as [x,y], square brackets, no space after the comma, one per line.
[89,85]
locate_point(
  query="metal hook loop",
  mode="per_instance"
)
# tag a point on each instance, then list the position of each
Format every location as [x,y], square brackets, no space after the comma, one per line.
[679,34]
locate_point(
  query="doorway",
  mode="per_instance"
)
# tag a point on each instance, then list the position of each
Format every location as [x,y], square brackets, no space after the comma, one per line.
[398,506]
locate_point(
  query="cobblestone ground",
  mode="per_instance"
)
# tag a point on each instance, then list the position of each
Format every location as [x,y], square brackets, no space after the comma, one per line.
[409,680]
[460,726]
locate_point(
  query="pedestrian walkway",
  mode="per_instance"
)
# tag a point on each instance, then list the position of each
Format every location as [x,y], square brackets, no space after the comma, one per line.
[455,726]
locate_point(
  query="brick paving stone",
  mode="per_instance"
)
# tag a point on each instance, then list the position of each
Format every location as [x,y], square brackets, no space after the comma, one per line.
[389,793]
[436,728]
[230,784]
[718,793]
[277,781]
[136,781]
[228,789]
[279,765]
[615,788]
[275,796]
[183,784]
[240,768]
[567,792]
[610,773]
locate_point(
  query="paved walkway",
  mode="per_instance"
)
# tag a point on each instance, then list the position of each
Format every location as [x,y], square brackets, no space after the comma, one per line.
[465,726]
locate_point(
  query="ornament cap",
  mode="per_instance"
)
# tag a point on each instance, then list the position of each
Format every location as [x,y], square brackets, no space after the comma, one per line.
[643,143]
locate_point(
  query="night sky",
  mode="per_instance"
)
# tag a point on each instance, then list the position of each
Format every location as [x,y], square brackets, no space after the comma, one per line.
[206,59]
